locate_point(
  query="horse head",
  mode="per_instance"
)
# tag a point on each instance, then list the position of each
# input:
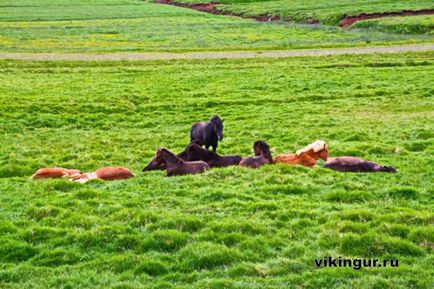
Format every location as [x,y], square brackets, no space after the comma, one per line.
[152,165]
[324,153]
[217,126]
[261,148]
[156,162]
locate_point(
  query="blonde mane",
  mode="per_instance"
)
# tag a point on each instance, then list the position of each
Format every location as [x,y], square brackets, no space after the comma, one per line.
[315,146]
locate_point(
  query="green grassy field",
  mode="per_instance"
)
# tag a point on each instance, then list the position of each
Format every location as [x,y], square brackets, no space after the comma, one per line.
[407,25]
[129,25]
[326,11]
[231,227]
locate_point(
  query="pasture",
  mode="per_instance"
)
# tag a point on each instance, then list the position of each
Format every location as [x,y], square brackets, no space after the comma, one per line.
[328,12]
[231,227]
[131,26]
[408,25]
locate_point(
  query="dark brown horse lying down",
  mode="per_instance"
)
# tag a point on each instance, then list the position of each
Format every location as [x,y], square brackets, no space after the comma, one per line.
[176,166]
[153,165]
[353,164]
[262,156]
[196,153]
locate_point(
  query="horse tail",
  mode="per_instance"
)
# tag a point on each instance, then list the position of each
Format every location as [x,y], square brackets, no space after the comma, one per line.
[388,169]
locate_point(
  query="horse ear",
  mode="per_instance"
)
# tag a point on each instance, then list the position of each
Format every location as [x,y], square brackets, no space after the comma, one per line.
[223,120]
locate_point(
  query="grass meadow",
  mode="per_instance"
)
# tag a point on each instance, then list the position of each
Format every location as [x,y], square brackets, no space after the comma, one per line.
[130,25]
[326,11]
[409,25]
[230,227]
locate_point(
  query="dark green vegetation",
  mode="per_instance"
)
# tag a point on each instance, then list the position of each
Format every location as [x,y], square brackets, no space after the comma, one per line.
[130,25]
[407,25]
[326,11]
[231,227]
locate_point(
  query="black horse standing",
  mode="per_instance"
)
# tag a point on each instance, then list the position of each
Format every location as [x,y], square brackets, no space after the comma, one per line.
[207,133]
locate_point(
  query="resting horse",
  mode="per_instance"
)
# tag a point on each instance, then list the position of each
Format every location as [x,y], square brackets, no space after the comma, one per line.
[306,156]
[176,166]
[107,174]
[196,153]
[45,173]
[153,165]
[262,156]
[207,133]
[353,164]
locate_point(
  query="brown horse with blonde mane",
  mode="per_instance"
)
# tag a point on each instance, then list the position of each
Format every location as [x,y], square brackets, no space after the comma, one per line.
[176,166]
[307,156]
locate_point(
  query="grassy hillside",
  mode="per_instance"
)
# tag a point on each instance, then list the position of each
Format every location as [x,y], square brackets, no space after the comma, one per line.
[231,227]
[406,25]
[326,11]
[129,25]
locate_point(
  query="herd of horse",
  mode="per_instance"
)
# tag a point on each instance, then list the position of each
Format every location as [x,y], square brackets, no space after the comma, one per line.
[196,159]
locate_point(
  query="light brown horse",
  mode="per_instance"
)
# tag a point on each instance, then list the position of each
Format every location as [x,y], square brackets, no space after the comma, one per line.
[175,166]
[107,174]
[262,156]
[306,156]
[46,173]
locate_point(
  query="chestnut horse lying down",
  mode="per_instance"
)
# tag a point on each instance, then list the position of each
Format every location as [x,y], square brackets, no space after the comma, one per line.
[196,153]
[45,173]
[306,156]
[176,166]
[107,174]
[262,156]
[353,164]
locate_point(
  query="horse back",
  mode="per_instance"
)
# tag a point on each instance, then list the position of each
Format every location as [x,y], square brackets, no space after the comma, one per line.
[254,162]
[293,159]
[224,161]
[196,132]
[351,164]
[187,168]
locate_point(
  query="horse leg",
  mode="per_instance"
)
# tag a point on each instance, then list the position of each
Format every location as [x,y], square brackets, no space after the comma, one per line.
[214,147]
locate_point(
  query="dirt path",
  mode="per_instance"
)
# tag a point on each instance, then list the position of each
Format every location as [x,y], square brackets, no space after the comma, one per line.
[213,55]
